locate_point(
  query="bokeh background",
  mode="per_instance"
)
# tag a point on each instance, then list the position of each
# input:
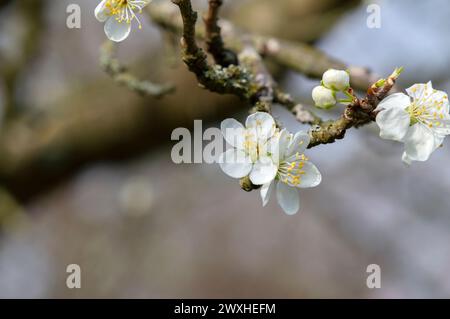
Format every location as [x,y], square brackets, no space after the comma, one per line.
[86,174]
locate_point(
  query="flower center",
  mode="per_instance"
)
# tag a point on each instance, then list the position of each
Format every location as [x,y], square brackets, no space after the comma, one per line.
[291,172]
[416,112]
[428,112]
[124,9]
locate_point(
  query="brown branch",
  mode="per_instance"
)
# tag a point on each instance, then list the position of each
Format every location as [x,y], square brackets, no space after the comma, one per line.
[299,57]
[121,75]
[234,79]
[214,42]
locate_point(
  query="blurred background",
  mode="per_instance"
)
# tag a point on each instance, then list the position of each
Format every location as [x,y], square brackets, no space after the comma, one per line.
[86,176]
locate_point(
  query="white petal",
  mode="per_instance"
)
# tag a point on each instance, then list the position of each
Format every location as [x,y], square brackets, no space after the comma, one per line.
[302,174]
[419,143]
[263,171]
[117,31]
[312,176]
[397,100]
[417,91]
[288,198]
[298,144]
[235,163]
[263,123]
[233,132]
[285,140]
[101,11]
[438,102]
[394,123]
[265,192]
[276,146]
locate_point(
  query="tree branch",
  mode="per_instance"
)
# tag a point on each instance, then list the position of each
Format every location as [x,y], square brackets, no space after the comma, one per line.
[299,57]
[32,12]
[214,42]
[120,74]
[233,79]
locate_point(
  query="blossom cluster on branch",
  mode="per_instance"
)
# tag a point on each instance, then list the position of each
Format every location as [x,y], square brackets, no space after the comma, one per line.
[263,154]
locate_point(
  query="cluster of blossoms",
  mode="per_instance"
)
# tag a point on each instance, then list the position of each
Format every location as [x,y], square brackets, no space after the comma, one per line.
[270,157]
[420,119]
[273,158]
[118,16]
[333,81]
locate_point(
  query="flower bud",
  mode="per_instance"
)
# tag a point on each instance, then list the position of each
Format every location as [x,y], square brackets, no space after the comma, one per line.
[323,97]
[336,80]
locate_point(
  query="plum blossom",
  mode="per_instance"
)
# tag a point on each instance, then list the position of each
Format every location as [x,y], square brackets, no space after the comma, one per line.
[251,150]
[420,120]
[294,170]
[118,16]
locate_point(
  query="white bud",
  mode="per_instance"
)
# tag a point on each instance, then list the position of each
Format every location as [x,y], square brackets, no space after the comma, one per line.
[336,80]
[323,97]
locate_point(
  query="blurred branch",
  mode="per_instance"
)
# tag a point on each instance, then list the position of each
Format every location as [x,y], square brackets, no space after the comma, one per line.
[10,209]
[95,121]
[32,14]
[121,75]
[356,114]
[4,3]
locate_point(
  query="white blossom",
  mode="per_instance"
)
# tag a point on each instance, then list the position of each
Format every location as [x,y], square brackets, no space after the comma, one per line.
[118,16]
[323,97]
[294,170]
[251,148]
[420,120]
[337,80]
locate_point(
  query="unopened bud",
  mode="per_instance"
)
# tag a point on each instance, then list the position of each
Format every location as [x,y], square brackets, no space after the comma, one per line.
[336,80]
[323,97]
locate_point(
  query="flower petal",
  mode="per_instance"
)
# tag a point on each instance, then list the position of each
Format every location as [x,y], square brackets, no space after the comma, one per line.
[418,91]
[420,142]
[276,146]
[233,132]
[284,141]
[265,192]
[311,177]
[394,123]
[263,123]
[101,11]
[396,100]
[288,198]
[298,144]
[297,171]
[117,31]
[235,163]
[263,171]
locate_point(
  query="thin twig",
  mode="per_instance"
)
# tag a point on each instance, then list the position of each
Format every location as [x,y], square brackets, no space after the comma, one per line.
[214,42]
[120,74]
